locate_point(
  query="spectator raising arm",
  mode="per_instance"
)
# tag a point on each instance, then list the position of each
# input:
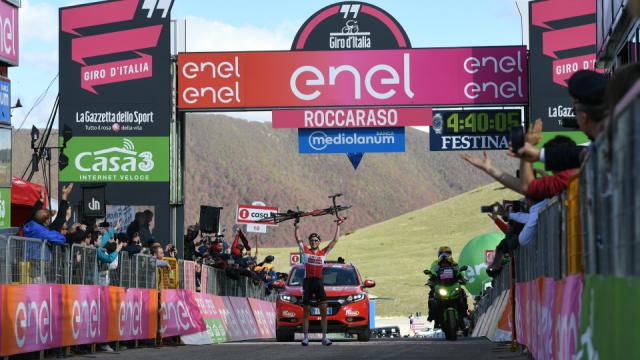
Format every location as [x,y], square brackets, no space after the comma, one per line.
[505,179]
[61,217]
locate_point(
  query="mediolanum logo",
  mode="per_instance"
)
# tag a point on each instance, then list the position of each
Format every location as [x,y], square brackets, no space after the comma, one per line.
[116,159]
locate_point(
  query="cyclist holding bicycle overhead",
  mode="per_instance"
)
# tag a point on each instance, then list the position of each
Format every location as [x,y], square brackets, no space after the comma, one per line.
[313,285]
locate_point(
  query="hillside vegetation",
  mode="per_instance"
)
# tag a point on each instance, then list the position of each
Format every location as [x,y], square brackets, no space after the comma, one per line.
[394,252]
[230,161]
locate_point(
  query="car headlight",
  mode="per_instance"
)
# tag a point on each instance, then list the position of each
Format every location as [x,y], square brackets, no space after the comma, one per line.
[443,292]
[288,298]
[356,297]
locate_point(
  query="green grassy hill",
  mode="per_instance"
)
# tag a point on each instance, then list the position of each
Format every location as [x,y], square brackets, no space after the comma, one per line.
[394,252]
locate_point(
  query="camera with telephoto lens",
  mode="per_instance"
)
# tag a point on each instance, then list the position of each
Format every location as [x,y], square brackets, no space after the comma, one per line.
[570,123]
[513,206]
[489,208]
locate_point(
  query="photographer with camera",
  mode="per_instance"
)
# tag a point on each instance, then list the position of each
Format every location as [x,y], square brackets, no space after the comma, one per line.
[522,227]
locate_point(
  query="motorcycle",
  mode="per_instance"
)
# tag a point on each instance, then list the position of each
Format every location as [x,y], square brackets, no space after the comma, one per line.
[448,296]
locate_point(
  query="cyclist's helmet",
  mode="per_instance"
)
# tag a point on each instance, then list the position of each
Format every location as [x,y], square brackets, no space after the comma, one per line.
[444,251]
[314,236]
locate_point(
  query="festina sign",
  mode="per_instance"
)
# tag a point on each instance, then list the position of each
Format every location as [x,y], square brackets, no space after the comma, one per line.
[250,214]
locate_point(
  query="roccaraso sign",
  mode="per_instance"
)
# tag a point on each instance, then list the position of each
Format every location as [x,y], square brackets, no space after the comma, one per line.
[272,80]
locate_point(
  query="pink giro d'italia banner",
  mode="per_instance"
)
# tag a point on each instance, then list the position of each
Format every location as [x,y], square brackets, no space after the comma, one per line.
[32,318]
[400,77]
[179,314]
[548,316]
[244,316]
[265,317]
[351,118]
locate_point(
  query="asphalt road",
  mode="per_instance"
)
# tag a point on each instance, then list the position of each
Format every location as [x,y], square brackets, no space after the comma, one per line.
[405,349]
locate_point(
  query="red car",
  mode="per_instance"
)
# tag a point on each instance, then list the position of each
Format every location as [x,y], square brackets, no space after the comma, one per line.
[347,303]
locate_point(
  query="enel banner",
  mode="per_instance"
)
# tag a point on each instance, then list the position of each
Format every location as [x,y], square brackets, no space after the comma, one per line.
[277,79]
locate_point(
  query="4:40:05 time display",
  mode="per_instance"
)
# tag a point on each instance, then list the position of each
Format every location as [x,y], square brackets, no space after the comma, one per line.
[472,121]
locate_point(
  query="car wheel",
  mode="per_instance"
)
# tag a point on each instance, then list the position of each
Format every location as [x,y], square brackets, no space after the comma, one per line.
[284,336]
[364,335]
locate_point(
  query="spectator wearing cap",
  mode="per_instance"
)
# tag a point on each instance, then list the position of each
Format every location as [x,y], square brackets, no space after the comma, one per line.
[587,89]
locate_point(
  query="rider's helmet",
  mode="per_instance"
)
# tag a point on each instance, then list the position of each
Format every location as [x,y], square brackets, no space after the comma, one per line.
[314,236]
[444,252]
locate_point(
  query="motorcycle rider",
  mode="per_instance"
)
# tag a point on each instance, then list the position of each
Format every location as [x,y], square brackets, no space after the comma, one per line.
[445,261]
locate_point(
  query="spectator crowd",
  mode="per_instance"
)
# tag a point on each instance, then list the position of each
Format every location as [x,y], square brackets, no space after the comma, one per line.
[236,260]
[594,98]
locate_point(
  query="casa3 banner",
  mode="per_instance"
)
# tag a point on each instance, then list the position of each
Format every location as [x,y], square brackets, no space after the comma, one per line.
[116,100]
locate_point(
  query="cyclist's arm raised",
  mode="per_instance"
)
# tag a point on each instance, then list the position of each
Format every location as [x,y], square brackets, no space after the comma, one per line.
[297,235]
[335,236]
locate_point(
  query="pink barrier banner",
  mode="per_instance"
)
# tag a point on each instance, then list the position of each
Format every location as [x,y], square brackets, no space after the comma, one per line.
[132,314]
[265,318]
[212,310]
[32,318]
[230,321]
[85,314]
[567,316]
[245,318]
[548,316]
[351,118]
[179,314]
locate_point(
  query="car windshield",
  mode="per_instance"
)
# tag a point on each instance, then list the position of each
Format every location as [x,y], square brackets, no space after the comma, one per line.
[333,276]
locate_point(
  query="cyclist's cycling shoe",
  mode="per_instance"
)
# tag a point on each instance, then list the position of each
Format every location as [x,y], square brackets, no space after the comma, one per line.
[305,342]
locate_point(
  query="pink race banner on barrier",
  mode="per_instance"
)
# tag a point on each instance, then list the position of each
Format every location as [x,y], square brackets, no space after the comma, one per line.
[85,314]
[212,308]
[245,318]
[351,118]
[270,80]
[130,314]
[179,314]
[548,316]
[32,318]
[229,320]
[265,318]
[567,316]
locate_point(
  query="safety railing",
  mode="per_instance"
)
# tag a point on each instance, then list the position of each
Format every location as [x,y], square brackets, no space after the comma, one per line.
[33,261]
[610,200]
[144,272]
[84,265]
[499,284]
[545,255]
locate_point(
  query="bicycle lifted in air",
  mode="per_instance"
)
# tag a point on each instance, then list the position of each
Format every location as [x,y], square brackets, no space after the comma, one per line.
[335,209]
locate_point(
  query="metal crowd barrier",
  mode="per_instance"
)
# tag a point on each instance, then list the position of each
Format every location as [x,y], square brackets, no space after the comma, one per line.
[545,255]
[144,271]
[84,265]
[33,261]
[610,201]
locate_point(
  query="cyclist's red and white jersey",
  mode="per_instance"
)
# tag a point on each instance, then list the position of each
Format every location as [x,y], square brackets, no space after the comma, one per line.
[313,260]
